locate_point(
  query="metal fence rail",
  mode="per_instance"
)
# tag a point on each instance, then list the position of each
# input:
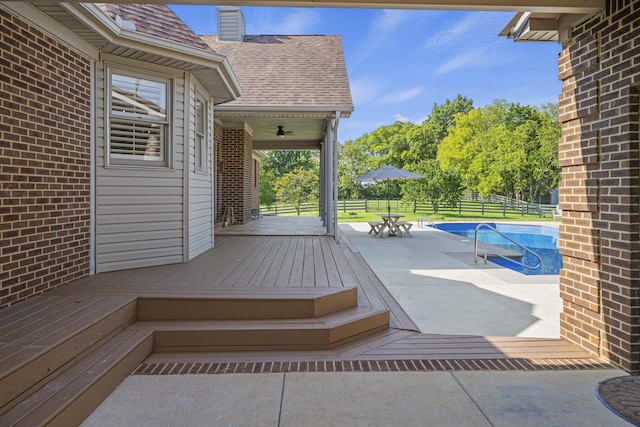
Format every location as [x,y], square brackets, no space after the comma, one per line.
[470,203]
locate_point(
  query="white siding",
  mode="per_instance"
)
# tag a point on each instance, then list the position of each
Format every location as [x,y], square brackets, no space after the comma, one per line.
[139,211]
[200,186]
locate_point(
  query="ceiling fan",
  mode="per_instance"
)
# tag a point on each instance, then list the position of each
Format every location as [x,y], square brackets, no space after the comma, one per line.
[281,132]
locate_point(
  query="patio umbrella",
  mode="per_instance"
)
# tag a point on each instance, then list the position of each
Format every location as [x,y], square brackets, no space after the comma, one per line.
[387,173]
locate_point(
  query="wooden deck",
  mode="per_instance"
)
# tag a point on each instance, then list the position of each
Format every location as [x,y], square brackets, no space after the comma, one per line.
[262,264]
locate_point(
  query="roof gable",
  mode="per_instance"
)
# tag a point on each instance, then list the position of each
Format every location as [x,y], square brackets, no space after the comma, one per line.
[288,70]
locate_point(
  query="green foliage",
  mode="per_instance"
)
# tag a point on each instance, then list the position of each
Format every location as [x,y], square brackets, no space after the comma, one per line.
[502,148]
[438,187]
[505,148]
[267,191]
[297,187]
[281,163]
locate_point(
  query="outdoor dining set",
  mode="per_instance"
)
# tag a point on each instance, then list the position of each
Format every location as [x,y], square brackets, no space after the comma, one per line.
[390,226]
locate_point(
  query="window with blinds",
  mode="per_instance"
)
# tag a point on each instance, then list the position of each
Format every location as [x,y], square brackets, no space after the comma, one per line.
[138,121]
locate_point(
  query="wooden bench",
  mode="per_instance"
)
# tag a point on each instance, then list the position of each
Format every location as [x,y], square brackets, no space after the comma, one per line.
[376,226]
[404,228]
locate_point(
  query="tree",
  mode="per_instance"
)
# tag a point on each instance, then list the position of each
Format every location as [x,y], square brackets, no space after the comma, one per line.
[352,161]
[298,187]
[267,192]
[437,187]
[505,148]
[281,162]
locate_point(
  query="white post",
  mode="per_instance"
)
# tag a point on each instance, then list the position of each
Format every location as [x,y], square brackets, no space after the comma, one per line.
[323,184]
[335,175]
[329,199]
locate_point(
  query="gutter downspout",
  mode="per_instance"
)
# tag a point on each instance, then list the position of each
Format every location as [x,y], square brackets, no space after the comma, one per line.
[92,172]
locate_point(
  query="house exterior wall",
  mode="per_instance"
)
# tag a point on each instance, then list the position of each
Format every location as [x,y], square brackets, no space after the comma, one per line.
[200,201]
[44,161]
[139,210]
[599,154]
[235,173]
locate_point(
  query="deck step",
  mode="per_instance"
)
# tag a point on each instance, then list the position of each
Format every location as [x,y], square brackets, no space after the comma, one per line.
[44,339]
[74,394]
[247,305]
[322,332]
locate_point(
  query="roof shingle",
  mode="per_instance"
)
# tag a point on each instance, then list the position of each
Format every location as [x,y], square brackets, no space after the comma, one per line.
[155,20]
[288,70]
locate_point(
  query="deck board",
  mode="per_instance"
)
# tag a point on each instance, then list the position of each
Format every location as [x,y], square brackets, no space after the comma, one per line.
[295,278]
[308,264]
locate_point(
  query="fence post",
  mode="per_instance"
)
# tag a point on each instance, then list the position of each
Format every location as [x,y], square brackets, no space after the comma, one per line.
[483,208]
[460,207]
[366,205]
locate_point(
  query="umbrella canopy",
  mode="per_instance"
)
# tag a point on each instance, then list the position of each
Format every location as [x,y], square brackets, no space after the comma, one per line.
[387,173]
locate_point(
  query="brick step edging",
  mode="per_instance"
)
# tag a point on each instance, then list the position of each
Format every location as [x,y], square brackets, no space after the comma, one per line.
[185,368]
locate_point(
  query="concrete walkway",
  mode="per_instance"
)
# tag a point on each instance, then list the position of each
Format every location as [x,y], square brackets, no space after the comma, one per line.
[434,278]
[444,292]
[549,398]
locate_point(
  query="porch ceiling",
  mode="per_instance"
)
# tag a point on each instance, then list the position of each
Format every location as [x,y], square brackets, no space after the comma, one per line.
[303,130]
[542,6]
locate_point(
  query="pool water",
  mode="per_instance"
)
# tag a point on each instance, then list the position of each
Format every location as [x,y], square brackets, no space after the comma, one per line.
[541,240]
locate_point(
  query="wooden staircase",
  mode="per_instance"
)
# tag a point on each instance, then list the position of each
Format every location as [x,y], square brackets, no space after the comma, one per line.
[62,354]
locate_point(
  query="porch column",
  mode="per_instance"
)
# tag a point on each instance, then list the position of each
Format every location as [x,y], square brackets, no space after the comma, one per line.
[323,174]
[329,142]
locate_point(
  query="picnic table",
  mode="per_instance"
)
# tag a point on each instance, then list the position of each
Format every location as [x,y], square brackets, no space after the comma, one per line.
[390,226]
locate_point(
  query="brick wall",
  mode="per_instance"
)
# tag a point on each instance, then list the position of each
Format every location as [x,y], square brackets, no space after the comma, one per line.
[44,162]
[235,173]
[599,153]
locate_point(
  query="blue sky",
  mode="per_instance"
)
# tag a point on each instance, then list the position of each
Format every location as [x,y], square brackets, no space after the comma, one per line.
[401,62]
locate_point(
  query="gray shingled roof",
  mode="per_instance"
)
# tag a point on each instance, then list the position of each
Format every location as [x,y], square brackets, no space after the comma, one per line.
[292,71]
[155,20]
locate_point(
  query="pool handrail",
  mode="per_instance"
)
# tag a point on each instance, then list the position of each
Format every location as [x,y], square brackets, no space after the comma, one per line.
[425,219]
[526,249]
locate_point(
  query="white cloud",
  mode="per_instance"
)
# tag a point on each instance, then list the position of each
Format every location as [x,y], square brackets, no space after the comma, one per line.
[380,34]
[281,21]
[401,118]
[398,97]
[364,90]
[457,31]
[388,21]
[483,57]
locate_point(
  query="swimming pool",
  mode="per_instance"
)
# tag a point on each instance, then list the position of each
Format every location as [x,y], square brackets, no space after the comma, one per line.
[541,240]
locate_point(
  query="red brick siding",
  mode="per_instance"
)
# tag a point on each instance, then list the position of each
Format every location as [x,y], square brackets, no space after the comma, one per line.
[235,173]
[44,161]
[599,153]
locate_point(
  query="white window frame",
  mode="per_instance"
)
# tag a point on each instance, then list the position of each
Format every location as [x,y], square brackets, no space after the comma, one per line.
[201,136]
[136,119]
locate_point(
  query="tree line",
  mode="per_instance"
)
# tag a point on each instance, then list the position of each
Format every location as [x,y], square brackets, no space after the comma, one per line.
[503,148]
